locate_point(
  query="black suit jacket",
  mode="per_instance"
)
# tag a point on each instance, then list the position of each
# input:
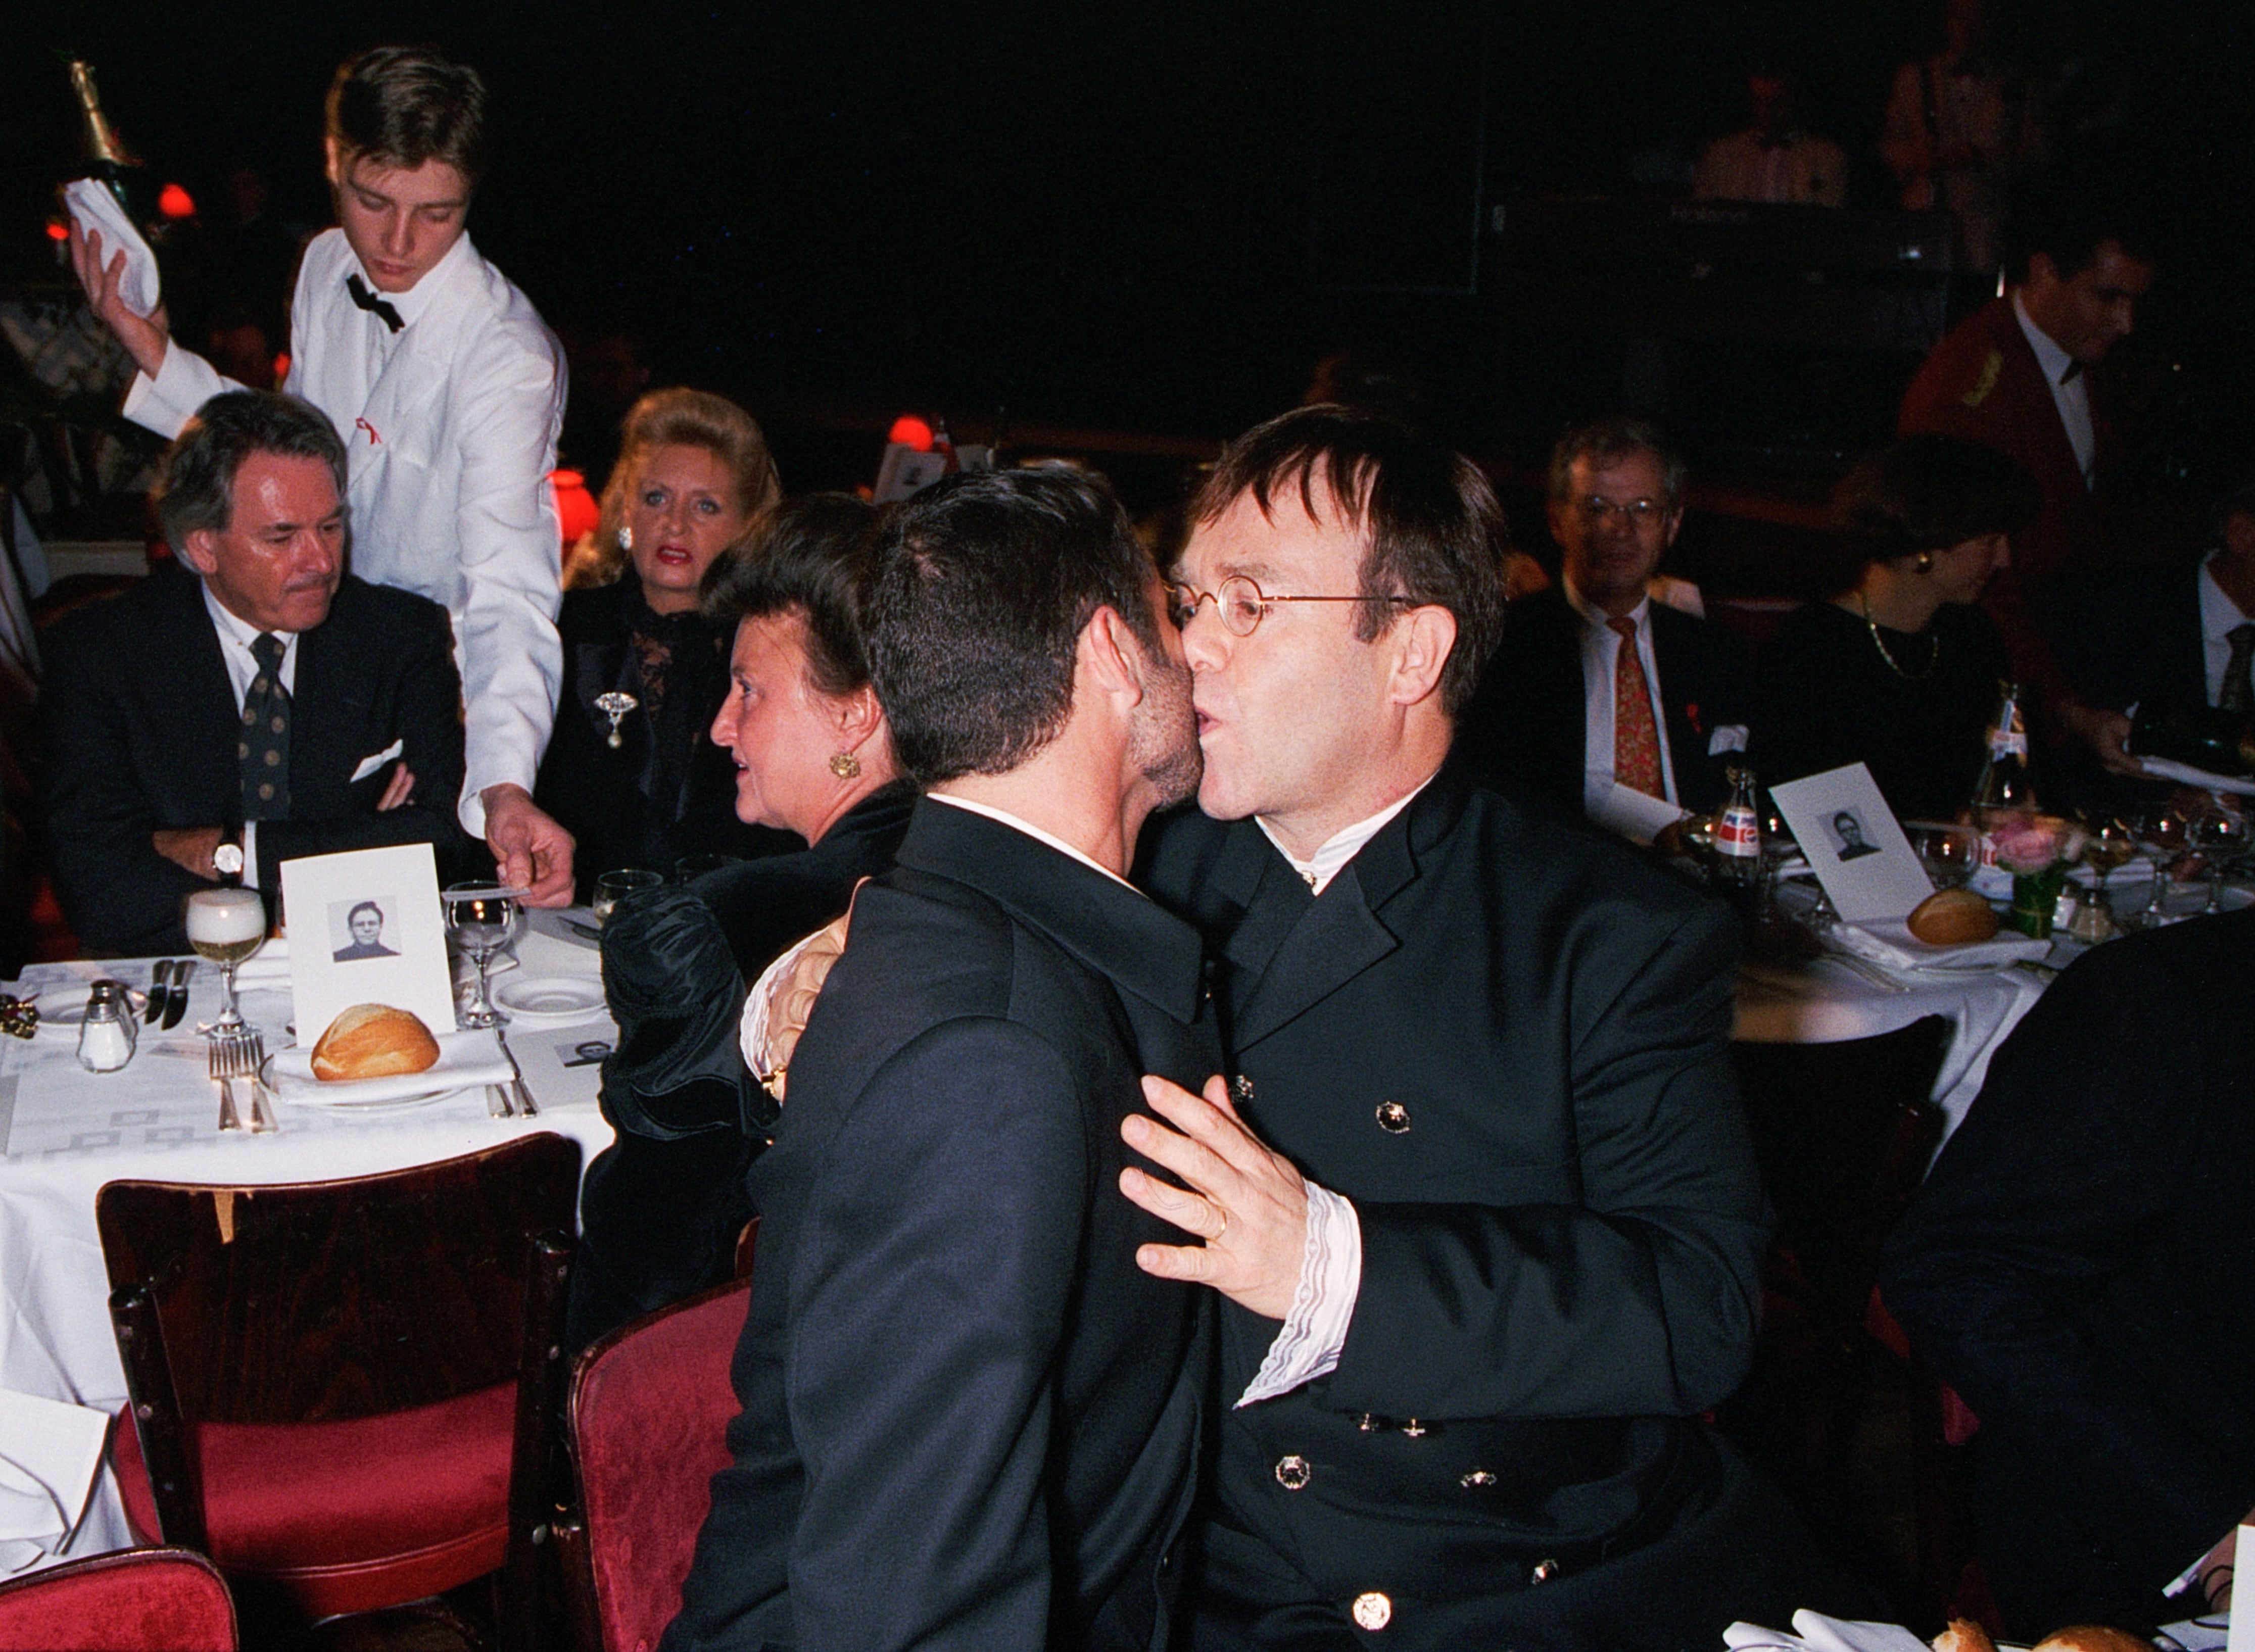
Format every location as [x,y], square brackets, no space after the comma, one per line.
[969,1419]
[138,727]
[1525,730]
[660,1208]
[2081,1266]
[2132,636]
[1506,1040]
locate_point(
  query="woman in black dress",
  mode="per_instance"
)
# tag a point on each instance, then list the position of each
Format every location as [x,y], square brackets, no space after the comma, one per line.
[662,1209]
[1900,672]
[628,771]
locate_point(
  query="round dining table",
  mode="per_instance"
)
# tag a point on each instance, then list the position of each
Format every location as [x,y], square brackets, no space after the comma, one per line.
[65,1131]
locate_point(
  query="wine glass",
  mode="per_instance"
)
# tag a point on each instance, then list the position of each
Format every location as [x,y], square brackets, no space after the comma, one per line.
[2220,833]
[226,926]
[2162,838]
[613,887]
[2106,845]
[483,919]
[1948,851]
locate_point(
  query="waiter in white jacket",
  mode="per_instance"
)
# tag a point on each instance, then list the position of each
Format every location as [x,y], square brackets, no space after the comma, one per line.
[448,392]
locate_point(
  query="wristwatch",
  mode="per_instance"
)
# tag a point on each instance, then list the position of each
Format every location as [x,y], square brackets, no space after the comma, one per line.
[227,860]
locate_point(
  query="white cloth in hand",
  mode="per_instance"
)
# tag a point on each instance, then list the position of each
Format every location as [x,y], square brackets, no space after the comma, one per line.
[98,212]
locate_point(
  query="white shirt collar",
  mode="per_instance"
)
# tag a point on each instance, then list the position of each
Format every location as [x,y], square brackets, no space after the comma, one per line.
[1031,831]
[1343,846]
[236,637]
[2218,613]
[420,296]
[1592,614]
[2054,361]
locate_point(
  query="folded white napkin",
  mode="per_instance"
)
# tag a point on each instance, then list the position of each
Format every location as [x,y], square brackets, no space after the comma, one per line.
[465,1059]
[2185,774]
[97,209]
[50,1451]
[1894,945]
[1814,1632]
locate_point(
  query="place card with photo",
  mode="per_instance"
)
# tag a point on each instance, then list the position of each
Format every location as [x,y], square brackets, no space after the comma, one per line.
[365,928]
[1854,844]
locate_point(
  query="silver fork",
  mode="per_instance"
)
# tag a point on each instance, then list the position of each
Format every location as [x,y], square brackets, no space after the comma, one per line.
[239,1055]
[222,1069]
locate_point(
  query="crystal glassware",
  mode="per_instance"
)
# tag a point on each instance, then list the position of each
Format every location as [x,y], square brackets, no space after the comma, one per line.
[613,887]
[482,920]
[226,926]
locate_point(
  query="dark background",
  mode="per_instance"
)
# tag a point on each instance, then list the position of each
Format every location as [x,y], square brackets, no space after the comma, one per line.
[1147,217]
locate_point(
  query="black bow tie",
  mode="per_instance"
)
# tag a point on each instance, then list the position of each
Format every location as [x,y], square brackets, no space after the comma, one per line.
[373,305]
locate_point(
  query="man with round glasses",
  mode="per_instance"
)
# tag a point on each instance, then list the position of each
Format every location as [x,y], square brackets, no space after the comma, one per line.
[1475,1190]
[1603,699]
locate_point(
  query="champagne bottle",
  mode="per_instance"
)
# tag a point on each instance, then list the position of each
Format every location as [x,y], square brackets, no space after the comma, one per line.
[2208,737]
[109,162]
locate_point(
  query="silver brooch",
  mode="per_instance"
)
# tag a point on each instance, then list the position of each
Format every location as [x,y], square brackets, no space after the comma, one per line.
[615,704]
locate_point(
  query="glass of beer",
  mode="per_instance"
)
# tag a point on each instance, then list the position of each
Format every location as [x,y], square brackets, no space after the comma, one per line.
[226,926]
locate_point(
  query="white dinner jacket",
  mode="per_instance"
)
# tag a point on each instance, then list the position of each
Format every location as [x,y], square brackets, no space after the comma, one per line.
[450,429]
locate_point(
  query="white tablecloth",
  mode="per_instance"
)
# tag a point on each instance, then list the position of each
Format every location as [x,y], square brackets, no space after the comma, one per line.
[1828,1001]
[66,1131]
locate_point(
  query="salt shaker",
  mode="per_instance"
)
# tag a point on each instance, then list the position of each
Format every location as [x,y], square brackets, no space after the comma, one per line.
[105,1038]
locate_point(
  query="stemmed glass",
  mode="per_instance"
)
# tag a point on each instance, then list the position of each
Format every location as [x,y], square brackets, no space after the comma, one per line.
[483,919]
[226,926]
[2220,833]
[2110,844]
[2162,838]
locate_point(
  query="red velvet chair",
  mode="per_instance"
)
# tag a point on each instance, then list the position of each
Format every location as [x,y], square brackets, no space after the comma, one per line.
[134,1601]
[649,1408]
[345,1392]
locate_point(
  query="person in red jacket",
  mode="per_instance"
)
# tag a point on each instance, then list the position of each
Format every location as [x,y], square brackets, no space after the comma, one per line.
[2015,377]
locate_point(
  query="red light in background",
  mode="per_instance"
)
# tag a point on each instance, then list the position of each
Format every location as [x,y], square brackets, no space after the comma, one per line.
[175,203]
[577,513]
[281,367]
[909,431]
[57,230]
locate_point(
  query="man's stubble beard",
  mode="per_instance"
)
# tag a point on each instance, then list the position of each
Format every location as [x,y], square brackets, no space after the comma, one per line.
[1167,738]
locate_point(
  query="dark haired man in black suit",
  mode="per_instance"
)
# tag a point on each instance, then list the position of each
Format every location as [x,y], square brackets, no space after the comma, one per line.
[968,1420]
[251,705]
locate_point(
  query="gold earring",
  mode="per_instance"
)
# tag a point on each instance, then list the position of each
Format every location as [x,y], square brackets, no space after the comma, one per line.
[845,765]
[1925,563]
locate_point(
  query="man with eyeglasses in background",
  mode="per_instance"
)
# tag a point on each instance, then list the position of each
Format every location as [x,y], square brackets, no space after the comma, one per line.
[1601,699]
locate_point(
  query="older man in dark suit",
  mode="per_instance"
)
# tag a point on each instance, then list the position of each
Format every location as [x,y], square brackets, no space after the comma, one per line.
[1601,699]
[1478,1193]
[252,704]
[968,1421]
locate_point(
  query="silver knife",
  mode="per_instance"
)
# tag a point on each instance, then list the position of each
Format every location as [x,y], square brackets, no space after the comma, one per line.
[181,970]
[152,1008]
[521,1097]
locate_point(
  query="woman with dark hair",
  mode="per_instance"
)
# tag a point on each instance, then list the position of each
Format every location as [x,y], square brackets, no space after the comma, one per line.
[662,1209]
[1900,672]
[628,771]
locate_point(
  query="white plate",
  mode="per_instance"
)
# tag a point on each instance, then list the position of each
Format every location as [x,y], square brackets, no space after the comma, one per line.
[465,1060]
[550,1001]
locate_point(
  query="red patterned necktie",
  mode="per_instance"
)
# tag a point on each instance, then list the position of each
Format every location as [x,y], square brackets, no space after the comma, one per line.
[1636,737]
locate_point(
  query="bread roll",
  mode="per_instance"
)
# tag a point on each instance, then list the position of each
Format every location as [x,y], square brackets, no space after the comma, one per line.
[1952,917]
[373,1041]
[2092,1637]
[1964,1635]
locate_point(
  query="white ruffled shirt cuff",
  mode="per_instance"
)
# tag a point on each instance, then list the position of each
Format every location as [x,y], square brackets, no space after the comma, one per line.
[1322,1304]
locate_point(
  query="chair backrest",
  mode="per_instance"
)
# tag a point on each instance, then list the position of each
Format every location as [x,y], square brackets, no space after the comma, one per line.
[650,1408]
[1843,1133]
[319,1301]
[134,1601]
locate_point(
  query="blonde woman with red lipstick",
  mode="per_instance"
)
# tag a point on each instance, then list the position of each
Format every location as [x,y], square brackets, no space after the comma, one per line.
[629,772]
